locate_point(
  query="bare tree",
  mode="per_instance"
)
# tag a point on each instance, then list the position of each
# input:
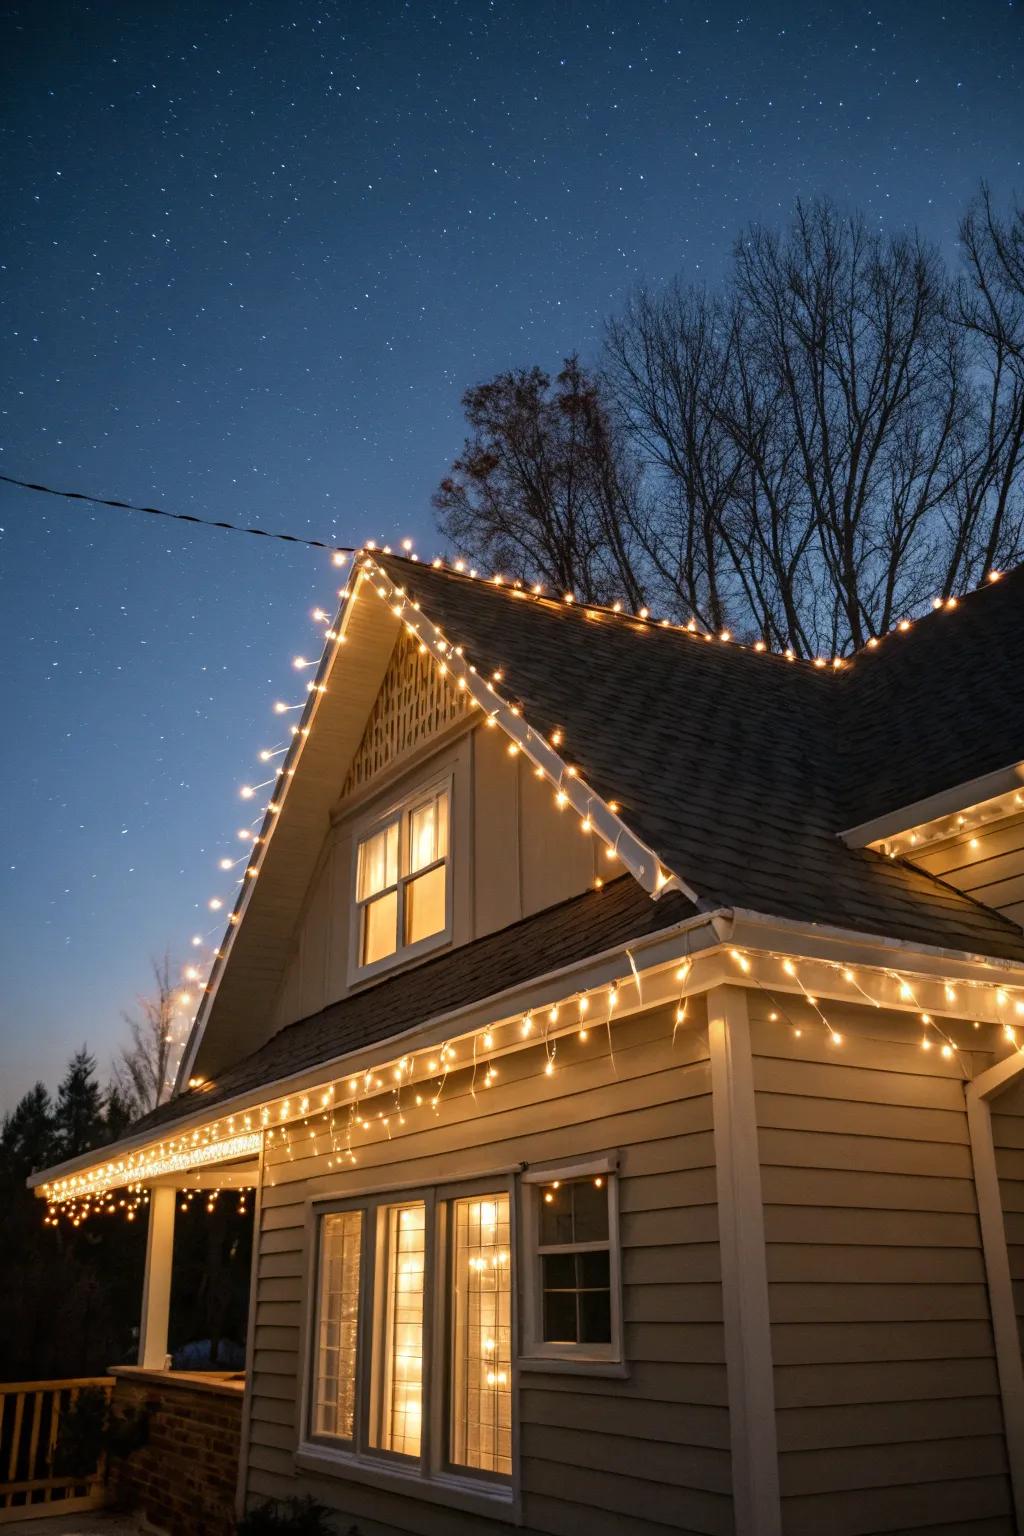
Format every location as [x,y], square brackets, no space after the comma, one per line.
[985,515]
[806,457]
[144,1070]
[544,485]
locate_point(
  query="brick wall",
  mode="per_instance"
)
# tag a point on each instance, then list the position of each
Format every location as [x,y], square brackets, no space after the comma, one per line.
[183,1479]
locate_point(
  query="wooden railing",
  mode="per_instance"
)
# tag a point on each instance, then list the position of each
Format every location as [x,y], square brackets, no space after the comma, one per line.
[31,1483]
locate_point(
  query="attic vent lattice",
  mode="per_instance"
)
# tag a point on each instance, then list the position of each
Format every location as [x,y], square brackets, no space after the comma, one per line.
[414,703]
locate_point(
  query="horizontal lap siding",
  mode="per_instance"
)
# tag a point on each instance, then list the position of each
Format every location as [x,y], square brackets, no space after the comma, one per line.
[988,865]
[887,1400]
[594,1452]
[1008,1138]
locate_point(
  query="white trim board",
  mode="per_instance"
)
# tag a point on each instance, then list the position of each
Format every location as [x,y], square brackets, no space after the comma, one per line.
[748,1345]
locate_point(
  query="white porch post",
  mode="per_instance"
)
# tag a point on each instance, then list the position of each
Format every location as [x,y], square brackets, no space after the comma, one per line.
[156,1290]
[748,1344]
[1005,1330]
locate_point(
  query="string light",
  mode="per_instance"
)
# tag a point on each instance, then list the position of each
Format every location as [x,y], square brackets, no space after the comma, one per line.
[465,679]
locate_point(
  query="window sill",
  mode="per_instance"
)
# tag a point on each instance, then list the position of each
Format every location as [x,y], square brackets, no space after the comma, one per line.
[399,959]
[572,1365]
[446,1488]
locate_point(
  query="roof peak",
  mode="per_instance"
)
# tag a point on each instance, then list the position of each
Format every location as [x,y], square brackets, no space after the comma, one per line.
[462,572]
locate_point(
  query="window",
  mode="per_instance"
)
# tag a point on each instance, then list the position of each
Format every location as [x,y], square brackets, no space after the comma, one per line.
[402,882]
[337,1324]
[401,1350]
[412,1328]
[573,1305]
[481,1398]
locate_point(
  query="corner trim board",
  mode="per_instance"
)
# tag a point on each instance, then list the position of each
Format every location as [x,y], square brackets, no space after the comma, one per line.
[748,1345]
[1005,1328]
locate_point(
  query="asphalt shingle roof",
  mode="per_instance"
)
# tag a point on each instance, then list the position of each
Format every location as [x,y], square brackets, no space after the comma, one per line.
[741,769]
[586,925]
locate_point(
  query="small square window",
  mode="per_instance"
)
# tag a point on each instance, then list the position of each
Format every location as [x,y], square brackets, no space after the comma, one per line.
[573,1313]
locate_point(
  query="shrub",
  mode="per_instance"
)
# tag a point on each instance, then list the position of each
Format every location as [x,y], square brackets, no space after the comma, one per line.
[293,1517]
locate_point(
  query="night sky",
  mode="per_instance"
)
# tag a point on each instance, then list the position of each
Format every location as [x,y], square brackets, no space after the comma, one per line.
[251,256]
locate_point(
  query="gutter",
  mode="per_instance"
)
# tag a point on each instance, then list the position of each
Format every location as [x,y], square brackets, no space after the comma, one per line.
[433,1031]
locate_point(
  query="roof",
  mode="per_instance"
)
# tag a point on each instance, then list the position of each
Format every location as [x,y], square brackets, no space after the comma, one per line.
[741,769]
[586,925]
[937,706]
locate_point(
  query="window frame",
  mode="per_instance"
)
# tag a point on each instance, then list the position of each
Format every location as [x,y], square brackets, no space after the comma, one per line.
[400,812]
[537,1353]
[432,1475]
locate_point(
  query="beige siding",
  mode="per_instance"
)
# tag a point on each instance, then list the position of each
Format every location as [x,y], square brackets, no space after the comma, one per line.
[1008,1138]
[648,1454]
[514,854]
[887,1396]
[986,863]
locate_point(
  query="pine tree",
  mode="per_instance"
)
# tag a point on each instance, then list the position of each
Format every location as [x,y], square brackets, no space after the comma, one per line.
[27,1135]
[79,1119]
[118,1113]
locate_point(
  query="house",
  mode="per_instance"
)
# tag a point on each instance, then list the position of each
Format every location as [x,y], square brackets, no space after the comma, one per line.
[619,1028]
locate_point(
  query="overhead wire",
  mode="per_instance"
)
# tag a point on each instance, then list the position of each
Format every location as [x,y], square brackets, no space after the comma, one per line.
[181,517]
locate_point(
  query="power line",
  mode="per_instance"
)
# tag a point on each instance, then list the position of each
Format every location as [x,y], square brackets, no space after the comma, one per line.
[180,517]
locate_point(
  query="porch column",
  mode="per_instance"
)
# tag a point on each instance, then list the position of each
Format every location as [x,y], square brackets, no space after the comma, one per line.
[748,1344]
[156,1290]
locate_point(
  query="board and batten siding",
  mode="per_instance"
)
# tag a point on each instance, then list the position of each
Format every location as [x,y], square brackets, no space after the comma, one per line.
[1008,1141]
[887,1397]
[648,1454]
[514,854]
[985,862]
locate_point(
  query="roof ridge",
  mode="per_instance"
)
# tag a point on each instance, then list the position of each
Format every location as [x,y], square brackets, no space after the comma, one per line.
[460,572]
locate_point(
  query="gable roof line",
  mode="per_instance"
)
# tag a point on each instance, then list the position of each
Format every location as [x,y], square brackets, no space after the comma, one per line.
[336,638]
[806,664]
[945,802]
[597,815]
[636,856]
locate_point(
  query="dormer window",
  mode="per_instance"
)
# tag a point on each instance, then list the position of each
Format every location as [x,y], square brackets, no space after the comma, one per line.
[403,904]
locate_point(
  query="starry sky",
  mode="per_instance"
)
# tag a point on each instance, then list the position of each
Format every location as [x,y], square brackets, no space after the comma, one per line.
[251,255]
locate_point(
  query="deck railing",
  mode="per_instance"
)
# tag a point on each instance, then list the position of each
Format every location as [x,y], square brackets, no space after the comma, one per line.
[30,1421]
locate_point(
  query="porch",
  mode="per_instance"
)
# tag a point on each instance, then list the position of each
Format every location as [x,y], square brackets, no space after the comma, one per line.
[139,1449]
[145,1442]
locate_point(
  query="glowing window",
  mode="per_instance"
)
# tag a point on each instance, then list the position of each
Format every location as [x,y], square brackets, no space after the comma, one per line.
[401,1343]
[337,1325]
[402,882]
[481,1313]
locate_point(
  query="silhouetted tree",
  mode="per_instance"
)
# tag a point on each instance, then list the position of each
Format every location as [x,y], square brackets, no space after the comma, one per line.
[545,484]
[78,1117]
[804,457]
[143,1071]
[27,1135]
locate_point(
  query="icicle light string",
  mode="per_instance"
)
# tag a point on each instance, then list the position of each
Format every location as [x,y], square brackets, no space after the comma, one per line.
[570,788]
[373,1097]
[369,566]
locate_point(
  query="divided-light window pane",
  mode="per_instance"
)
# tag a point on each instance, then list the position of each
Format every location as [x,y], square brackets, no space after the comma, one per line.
[428,833]
[380,928]
[575,1262]
[481,1311]
[425,904]
[401,1379]
[337,1325]
[378,862]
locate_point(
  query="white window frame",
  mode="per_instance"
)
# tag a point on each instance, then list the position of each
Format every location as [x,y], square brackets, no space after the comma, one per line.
[431,1475]
[400,812]
[538,1354]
